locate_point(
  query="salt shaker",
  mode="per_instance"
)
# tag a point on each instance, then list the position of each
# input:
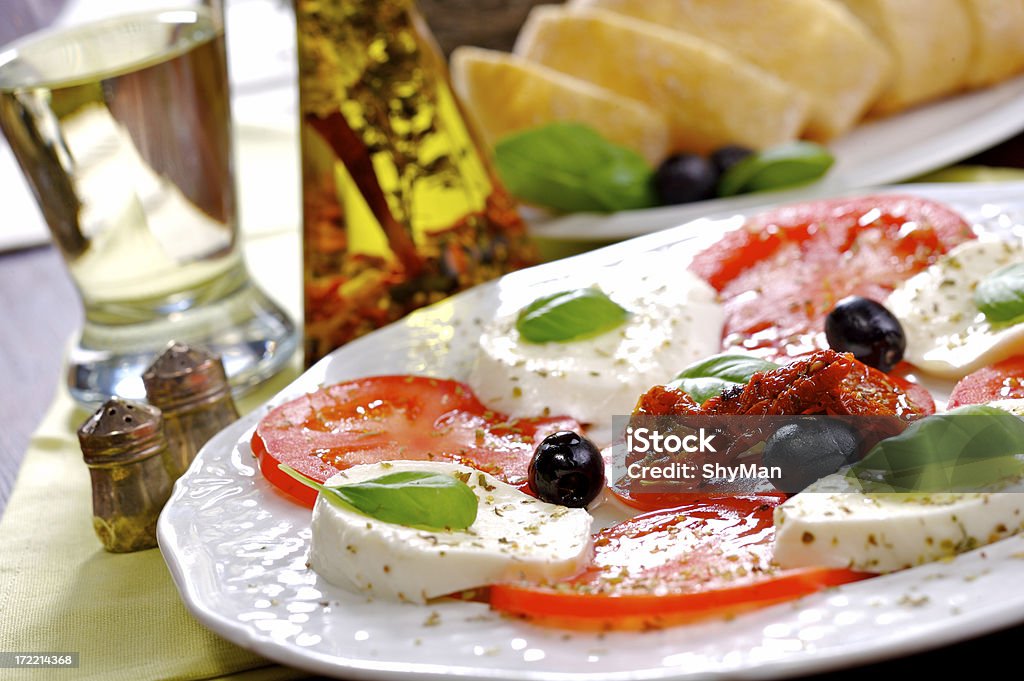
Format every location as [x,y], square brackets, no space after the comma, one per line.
[124,446]
[189,386]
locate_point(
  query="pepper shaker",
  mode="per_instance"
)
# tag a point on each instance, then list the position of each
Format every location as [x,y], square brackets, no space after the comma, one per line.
[124,446]
[189,386]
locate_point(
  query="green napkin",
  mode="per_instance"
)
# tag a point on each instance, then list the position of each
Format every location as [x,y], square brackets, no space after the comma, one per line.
[61,592]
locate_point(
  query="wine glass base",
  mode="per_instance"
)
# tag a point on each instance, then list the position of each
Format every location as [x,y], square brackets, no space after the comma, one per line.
[249,332]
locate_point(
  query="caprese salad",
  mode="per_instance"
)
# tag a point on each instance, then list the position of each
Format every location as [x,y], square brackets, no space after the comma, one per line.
[498,488]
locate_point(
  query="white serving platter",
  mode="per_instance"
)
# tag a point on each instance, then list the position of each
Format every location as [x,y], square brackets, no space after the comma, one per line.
[237,549]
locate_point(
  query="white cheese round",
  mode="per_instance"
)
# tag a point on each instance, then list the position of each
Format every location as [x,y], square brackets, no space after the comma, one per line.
[1014,406]
[513,537]
[946,333]
[674,321]
[829,525]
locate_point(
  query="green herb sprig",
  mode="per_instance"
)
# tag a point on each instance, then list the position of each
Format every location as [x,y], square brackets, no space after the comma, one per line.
[786,165]
[1001,294]
[963,449]
[710,377]
[421,499]
[570,167]
[569,316]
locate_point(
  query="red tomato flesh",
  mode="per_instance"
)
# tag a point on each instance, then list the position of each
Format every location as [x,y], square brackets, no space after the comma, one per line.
[386,418]
[708,558]
[781,274]
[917,401]
[1001,381]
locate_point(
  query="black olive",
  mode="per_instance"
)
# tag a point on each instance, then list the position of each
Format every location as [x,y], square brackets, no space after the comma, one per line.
[566,469]
[683,178]
[809,448]
[726,157]
[868,330]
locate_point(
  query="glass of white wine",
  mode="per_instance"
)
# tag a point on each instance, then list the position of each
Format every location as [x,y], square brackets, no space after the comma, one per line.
[121,123]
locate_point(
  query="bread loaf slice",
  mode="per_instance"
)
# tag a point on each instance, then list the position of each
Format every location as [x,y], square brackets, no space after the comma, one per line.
[931,42]
[998,40]
[817,46]
[506,94]
[711,97]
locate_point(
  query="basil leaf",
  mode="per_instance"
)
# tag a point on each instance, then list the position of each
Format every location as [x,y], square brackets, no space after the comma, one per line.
[1001,295]
[964,449]
[569,316]
[782,166]
[572,168]
[431,501]
[710,377]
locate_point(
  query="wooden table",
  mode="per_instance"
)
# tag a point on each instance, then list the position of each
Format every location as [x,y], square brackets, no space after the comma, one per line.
[41,310]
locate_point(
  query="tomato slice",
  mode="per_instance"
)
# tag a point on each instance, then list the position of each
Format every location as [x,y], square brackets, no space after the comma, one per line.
[905,398]
[704,559]
[1001,381]
[386,418]
[921,401]
[782,272]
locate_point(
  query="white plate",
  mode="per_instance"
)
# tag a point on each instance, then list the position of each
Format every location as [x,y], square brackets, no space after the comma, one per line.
[879,152]
[237,549]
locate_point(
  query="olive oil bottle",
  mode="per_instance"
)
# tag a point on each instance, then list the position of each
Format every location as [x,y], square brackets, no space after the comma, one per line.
[400,204]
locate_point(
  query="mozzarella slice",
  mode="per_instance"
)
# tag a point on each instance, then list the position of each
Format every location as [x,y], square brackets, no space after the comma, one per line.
[674,321]
[513,537]
[1014,406]
[946,333]
[831,525]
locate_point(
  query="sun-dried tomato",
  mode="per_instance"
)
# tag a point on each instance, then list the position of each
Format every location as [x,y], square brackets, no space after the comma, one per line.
[824,382]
